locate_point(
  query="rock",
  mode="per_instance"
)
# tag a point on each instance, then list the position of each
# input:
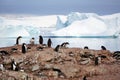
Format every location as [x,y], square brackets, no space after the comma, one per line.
[23,76]
[35,67]
[46,57]
[68,70]
[48,66]
[85,61]
[53,74]
[116,55]
[11,78]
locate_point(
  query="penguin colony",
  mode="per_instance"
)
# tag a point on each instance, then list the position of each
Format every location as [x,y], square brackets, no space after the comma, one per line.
[25,47]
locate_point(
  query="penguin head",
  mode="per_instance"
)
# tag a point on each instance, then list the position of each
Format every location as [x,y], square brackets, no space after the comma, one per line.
[24,44]
[33,38]
[20,37]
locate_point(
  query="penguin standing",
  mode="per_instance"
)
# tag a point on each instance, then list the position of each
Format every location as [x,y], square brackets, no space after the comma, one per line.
[24,48]
[40,39]
[14,65]
[57,48]
[96,61]
[49,42]
[18,39]
[32,41]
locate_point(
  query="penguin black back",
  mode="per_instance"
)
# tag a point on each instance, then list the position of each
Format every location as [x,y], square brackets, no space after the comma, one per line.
[96,61]
[103,47]
[49,42]
[40,39]
[57,48]
[24,48]
[84,78]
[17,40]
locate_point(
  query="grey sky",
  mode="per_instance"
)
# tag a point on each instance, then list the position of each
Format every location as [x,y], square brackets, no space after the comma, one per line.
[46,7]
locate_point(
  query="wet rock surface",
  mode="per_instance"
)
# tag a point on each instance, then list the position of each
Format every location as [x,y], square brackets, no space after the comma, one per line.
[67,64]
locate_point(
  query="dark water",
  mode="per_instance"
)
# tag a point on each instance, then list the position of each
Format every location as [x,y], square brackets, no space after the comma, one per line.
[111,43]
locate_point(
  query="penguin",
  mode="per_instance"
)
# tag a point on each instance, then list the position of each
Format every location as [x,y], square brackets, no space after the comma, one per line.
[64,44]
[39,48]
[103,47]
[96,61]
[57,48]
[86,47]
[40,39]
[60,73]
[2,67]
[14,49]
[84,78]
[3,52]
[49,42]
[18,39]
[24,48]
[14,65]
[32,41]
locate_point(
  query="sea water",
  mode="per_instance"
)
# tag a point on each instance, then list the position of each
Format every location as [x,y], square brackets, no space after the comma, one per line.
[112,44]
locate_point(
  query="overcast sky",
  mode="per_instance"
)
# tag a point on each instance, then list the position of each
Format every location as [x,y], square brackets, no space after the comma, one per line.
[47,7]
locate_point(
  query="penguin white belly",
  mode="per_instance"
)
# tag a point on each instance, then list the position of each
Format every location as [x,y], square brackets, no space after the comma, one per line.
[2,67]
[14,66]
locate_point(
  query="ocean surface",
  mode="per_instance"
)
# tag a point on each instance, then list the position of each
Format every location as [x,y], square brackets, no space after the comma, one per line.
[111,43]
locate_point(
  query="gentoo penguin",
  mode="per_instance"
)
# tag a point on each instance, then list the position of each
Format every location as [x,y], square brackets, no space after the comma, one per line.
[40,39]
[3,52]
[60,73]
[14,65]
[86,47]
[96,61]
[64,45]
[103,48]
[14,49]
[18,39]
[2,67]
[84,78]
[57,48]
[49,42]
[39,48]
[32,41]
[24,48]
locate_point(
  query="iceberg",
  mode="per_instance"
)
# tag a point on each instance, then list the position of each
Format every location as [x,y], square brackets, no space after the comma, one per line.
[73,24]
[13,31]
[59,23]
[90,24]
[86,27]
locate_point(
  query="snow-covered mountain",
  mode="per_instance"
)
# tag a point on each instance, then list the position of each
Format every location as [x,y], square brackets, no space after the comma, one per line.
[73,24]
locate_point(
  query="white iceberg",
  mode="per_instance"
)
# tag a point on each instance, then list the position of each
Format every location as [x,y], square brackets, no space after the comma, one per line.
[13,31]
[86,27]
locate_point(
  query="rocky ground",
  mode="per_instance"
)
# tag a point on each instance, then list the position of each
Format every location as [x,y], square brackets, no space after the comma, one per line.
[66,64]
